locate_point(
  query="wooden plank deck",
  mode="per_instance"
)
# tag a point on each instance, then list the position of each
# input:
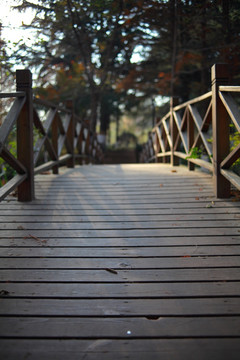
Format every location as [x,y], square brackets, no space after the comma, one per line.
[120,262]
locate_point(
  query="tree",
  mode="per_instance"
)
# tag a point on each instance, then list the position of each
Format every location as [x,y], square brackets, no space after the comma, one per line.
[203,38]
[187,38]
[85,48]
[99,35]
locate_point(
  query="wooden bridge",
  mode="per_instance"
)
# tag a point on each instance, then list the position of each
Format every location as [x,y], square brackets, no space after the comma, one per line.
[134,261]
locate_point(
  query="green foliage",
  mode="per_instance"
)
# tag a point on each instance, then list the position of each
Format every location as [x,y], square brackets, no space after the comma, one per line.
[195,153]
[7,171]
[235,140]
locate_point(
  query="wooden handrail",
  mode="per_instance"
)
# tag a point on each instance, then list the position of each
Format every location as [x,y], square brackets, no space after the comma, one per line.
[63,136]
[5,95]
[183,132]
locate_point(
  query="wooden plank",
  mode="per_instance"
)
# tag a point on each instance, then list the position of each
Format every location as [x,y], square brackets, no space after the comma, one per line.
[121,182]
[126,275]
[112,328]
[107,349]
[12,161]
[117,263]
[208,212]
[229,88]
[232,177]
[12,94]
[193,101]
[111,233]
[117,183]
[66,218]
[126,189]
[225,218]
[203,163]
[79,198]
[126,251]
[11,118]
[160,190]
[231,158]
[130,225]
[120,241]
[120,290]
[120,307]
[44,167]
[11,204]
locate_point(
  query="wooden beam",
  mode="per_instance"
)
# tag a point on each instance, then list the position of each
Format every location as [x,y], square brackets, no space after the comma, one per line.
[220,127]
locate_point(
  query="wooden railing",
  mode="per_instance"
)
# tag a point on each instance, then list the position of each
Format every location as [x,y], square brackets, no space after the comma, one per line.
[60,138]
[198,131]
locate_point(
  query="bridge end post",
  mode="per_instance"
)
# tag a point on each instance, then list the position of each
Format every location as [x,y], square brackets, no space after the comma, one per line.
[25,135]
[220,129]
[174,101]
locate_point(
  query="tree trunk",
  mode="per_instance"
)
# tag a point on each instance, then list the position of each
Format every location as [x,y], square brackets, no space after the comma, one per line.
[174,12]
[204,67]
[94,110]
[104,119]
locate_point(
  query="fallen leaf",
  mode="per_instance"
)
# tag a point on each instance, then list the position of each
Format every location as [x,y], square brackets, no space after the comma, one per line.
[186,256]
[20,227]
[112,271]
[197,198]
[161,185]
[4,292]
[173,171]
[236,195]
[209,206]
[35,238]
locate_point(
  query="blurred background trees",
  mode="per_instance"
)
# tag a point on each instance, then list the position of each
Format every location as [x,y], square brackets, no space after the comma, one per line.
[126,57]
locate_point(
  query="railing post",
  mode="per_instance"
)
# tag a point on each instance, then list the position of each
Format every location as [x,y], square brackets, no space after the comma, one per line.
[190,134]
[25,135]
[158,159]
[220,129]
[173,102]
[71,134]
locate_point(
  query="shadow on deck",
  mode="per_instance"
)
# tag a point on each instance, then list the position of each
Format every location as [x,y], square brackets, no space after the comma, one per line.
[120,262]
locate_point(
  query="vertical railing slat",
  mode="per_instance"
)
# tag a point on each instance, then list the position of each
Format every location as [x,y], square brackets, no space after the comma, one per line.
[173,102]
[190,133]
